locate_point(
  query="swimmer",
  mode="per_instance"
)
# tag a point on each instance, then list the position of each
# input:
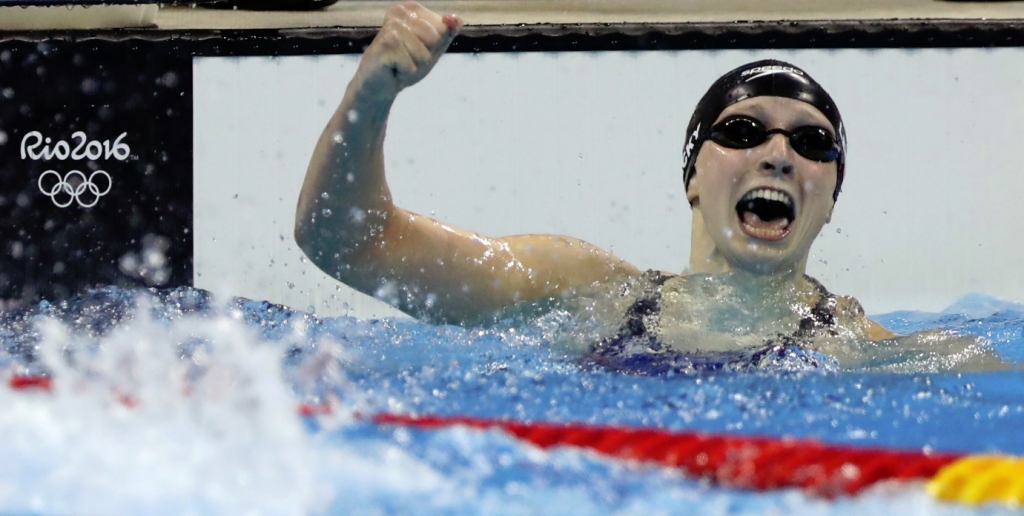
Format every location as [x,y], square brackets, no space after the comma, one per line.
[763,164]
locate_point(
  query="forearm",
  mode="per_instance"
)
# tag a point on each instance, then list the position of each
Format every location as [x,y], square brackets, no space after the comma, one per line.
[345,205]
[932,350]
[345,202]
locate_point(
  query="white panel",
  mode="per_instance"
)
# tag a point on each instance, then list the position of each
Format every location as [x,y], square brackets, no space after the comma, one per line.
[588,144]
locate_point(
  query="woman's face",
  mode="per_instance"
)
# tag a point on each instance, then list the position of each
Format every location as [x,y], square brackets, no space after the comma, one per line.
[762,207]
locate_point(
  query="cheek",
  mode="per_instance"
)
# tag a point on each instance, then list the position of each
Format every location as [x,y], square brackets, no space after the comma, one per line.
[724,167]
[819,179]
[817,186]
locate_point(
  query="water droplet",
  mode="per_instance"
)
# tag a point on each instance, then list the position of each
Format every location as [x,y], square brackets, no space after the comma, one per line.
[169,79]
[326,211]
[234,196]
[338,137]
[352,116]
[839,230]
[349,177]
[358,215]
[289,284]
[324,196]
[90,86]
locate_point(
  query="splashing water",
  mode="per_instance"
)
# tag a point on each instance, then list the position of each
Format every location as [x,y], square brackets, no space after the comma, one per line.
[173,402]
[169,410]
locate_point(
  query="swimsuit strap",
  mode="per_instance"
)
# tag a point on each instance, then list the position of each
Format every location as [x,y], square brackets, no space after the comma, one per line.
[823,314]
[636,349]
[646,305]
[822,317]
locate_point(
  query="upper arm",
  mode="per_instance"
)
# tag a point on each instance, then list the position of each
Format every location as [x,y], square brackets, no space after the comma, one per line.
[442,273]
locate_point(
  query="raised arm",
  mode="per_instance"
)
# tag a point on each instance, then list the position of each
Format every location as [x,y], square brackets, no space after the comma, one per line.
[349,227]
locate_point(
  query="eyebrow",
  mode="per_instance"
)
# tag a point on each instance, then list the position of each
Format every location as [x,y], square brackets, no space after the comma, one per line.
[759,112]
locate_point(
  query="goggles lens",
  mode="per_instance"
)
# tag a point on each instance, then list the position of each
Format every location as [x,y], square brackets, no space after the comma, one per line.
[810,141]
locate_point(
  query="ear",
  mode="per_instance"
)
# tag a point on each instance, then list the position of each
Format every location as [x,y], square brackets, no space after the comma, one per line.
[693,191]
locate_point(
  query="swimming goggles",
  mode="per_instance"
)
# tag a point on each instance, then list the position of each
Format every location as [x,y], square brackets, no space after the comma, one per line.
[743,132]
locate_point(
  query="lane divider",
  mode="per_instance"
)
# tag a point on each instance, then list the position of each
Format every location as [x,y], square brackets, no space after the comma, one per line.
[981,479]
[758,463]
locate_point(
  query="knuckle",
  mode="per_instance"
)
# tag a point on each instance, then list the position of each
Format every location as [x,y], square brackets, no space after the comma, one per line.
[395,11]
[428,32]
[390,39]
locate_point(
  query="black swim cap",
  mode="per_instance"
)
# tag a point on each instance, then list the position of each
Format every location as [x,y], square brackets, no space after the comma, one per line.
[768,78]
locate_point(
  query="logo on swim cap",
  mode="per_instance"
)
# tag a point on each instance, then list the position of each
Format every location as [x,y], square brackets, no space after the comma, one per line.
[842,135]
[762,71]
[691,142]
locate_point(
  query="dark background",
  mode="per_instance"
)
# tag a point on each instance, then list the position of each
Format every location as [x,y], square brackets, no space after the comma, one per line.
[103,89]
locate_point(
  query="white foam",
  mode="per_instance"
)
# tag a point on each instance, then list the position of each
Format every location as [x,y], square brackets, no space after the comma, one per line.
[217,434]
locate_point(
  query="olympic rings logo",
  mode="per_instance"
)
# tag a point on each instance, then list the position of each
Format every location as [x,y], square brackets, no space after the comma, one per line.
[75,187]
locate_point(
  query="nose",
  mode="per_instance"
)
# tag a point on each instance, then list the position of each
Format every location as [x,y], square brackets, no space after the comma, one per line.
[776,155]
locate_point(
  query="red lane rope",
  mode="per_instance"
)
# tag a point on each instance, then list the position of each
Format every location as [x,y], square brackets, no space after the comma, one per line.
[759,463]
[747,462]
[26,382]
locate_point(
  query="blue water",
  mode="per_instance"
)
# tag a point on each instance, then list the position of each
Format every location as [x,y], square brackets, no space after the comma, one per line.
[237,440]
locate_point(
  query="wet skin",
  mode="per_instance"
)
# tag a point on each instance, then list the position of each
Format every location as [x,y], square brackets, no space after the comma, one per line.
[442,273]
[445,274]
[724,175]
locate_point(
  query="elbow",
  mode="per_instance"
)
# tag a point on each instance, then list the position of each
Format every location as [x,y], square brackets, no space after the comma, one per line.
[305,236]
[329,247]
[302,238]
[301,231]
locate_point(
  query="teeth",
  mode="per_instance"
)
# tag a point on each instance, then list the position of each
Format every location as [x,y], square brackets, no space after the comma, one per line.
[768,233]
[769,194]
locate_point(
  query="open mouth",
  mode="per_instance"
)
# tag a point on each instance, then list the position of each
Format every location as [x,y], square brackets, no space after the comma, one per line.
[766,214]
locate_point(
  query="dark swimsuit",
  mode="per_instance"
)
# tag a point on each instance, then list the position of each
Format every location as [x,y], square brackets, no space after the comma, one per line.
[636,349]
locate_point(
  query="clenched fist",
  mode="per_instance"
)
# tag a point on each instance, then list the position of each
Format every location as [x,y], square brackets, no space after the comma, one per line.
[407,47]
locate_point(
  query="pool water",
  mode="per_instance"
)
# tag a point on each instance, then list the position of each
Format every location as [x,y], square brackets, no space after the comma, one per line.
[176,402]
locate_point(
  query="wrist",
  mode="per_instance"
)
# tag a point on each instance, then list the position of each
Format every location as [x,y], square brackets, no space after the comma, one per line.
[367,105]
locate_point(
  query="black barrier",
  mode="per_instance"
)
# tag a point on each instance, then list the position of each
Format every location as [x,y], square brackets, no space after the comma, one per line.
[573,37]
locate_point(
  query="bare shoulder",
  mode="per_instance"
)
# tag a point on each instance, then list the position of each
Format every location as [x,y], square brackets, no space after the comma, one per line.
[848,306]
[849,310]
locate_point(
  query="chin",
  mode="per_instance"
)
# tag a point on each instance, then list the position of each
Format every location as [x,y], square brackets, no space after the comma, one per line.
[762,257]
